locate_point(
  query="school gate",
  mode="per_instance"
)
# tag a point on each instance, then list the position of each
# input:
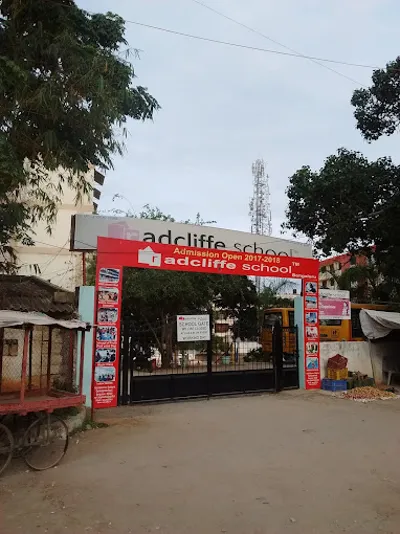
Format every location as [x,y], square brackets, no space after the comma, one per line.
[126,367]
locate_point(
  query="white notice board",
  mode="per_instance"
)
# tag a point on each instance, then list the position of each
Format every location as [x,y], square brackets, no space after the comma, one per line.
[193,327]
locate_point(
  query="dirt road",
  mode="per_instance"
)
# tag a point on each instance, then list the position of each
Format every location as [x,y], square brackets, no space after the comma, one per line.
[293,463]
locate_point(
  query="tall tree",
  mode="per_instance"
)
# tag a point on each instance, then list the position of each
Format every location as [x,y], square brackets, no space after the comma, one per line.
[64,90]
[377,108]
[350,204]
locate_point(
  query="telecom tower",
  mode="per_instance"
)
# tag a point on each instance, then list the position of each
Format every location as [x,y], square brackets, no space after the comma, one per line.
[260,208]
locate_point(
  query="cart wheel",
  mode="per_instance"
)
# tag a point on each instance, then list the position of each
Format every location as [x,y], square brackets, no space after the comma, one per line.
[45,442]
[6,447]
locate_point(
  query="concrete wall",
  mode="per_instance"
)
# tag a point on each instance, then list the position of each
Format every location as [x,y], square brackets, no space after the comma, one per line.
[357,352]
[385,354]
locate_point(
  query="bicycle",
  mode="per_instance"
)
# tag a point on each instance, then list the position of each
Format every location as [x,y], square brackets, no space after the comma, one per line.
[42,445]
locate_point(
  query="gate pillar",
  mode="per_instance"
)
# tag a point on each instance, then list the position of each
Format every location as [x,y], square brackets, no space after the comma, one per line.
[299,322]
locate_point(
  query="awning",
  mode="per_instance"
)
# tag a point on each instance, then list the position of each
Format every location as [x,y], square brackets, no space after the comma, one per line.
[9,318]
[376,324]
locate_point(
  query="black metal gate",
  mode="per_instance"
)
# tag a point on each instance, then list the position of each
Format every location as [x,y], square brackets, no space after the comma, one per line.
[153,367]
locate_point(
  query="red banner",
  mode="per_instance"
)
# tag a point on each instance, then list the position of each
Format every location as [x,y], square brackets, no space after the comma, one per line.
[107,335]
[114,254]
[201,260]
[311,335]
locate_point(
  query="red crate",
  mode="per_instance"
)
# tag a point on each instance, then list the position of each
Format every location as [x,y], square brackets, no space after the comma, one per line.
[337,362]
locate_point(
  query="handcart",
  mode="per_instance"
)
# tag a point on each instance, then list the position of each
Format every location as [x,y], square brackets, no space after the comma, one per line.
[41,370]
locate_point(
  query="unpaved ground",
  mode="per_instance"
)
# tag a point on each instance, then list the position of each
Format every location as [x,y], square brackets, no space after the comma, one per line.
[293,463]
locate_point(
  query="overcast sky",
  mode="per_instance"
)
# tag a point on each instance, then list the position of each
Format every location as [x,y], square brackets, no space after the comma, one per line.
[224,107]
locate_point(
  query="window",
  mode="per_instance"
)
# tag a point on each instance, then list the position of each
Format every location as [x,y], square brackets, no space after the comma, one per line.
[332,282]
[221,328]
[330,322]
[10,347]
[270,318]
[291,318]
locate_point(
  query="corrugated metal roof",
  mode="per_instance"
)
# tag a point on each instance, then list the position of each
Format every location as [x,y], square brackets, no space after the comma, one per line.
[32,294]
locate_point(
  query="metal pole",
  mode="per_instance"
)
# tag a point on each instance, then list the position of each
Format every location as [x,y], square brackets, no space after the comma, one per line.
[1,355]
[81,363]
[72,336]
[24,364]
[83,268]
[30,359]
[209,357]
[49,359]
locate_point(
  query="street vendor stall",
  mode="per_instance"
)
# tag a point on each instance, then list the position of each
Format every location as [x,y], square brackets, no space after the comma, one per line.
[38,374]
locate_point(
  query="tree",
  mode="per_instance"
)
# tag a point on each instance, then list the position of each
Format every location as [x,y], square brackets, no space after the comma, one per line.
[64,90]
[271,295]
[350,204]
[377,109]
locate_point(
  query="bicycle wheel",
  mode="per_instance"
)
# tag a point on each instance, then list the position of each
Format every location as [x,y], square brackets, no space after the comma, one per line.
[6,447]
[45,442]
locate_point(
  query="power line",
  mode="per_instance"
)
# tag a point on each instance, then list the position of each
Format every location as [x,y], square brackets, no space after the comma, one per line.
[317,61]
[255,48]
[292,52]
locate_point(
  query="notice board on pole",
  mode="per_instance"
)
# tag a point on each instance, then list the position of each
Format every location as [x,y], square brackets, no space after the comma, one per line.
[193,328]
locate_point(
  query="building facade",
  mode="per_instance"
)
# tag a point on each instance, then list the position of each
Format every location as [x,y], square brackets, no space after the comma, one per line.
[332,268]
[50,257]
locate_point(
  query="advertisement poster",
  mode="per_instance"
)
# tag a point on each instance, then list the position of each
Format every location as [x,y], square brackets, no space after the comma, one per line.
[106,356]
[334,304]
[311,335]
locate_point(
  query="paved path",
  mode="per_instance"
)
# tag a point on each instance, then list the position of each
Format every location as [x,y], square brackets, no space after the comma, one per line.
[294,463]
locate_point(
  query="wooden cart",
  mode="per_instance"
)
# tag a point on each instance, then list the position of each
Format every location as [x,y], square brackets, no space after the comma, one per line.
[42,387]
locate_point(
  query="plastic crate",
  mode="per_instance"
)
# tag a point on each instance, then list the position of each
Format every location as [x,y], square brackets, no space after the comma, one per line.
[334,385]
[338,374]
[337,362]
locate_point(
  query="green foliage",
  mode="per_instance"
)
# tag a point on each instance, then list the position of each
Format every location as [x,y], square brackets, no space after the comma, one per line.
[65,97]
[366,283]
[350,204]
[377,109]
[257,355]
[270,295]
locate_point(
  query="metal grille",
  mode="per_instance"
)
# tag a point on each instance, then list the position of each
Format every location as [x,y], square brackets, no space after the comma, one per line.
[60,351]
[154,366]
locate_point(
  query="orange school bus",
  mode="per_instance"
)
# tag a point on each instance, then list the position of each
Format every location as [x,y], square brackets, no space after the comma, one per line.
[329,329]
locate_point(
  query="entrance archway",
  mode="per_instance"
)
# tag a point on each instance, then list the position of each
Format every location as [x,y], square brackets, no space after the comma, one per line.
[115,254]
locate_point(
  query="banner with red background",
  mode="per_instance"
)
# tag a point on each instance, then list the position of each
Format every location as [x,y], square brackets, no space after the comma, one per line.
[115,254]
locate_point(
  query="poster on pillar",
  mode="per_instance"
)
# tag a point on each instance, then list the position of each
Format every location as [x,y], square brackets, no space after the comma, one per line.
[311,335]
[106,337]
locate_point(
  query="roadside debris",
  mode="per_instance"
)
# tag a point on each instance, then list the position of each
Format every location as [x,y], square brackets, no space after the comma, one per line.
[367,394]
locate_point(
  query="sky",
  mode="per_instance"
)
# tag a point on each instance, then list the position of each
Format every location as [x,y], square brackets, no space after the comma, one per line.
[224,107]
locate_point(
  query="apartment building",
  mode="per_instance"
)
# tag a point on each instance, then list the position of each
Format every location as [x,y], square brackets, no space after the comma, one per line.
[332,268]
[50,258]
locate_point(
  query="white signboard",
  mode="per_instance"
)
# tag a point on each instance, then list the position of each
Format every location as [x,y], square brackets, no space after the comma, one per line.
[193,327]
[87,228]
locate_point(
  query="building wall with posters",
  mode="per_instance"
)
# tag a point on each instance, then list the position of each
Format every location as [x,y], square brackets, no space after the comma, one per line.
[51,258]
